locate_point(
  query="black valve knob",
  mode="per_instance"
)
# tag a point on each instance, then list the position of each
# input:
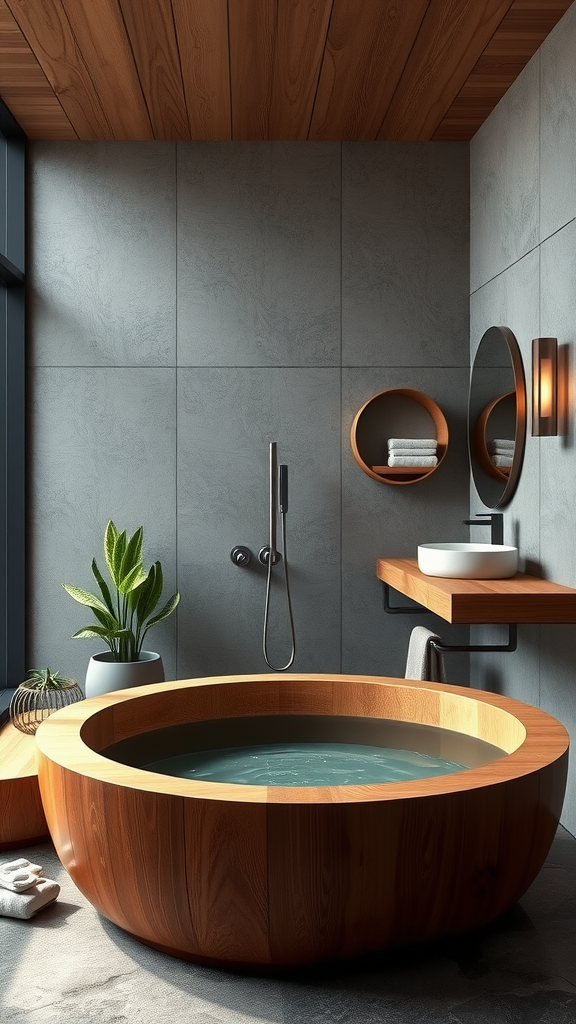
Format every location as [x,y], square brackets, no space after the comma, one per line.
[240,555]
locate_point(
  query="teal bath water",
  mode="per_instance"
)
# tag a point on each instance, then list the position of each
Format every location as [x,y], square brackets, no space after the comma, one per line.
[304,764]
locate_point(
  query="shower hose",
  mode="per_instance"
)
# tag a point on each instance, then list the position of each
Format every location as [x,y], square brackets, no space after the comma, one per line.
[278,668]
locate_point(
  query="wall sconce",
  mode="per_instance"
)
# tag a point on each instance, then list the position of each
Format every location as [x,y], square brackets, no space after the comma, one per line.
[544,387]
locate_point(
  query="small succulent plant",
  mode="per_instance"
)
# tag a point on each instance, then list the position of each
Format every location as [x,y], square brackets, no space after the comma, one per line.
[45,679]
[42,692]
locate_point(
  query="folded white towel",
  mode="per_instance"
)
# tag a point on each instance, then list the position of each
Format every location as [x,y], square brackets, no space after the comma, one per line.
[26,904]
[501,442]
[423,660]
[505,461]
[502,451]
[405,460]
[412,452]
[18,875]
[412,442]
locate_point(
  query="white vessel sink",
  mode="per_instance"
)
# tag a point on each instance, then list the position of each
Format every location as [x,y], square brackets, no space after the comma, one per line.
[468,561]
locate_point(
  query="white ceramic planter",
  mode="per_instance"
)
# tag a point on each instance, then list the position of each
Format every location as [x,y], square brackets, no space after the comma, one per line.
[105,675]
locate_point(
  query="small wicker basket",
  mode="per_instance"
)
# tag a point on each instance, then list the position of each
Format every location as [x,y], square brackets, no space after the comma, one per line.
[30,705]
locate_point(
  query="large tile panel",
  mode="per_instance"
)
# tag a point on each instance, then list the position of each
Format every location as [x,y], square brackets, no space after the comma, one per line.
[381,520]
[512,300]
[504,179]
[103,446]
[558,126]
[103,260]
[405,254]
[226,421]
[557,459]
[258,254]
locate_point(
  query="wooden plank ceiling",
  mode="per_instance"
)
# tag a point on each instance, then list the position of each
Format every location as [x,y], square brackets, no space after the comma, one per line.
[411,70]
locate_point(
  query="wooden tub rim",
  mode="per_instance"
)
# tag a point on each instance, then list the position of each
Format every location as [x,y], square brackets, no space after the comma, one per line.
[61,739]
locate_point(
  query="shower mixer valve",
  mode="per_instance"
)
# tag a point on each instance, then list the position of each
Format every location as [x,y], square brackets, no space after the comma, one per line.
[264,555]
[240,555]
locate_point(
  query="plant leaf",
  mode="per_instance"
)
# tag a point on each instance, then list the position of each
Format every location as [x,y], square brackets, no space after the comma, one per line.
[149,593]
[103,586]
[106,619]
[110,538]
[117,556]
[84,597]
[45,679]
[135,577]
[166,611]
[100,631]
[132,556]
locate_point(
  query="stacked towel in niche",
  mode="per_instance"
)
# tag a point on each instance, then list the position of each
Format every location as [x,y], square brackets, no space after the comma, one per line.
[501,452]
[423,660]
[24,890]
[412,451]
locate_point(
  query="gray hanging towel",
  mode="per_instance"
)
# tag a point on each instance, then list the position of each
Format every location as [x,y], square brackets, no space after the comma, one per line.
[423,661]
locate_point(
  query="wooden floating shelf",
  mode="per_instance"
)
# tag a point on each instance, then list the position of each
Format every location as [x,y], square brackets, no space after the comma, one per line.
[519,599]
[22,820]
[402,470]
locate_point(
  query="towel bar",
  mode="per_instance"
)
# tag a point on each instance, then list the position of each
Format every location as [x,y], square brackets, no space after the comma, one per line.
[510,646]
[450,648]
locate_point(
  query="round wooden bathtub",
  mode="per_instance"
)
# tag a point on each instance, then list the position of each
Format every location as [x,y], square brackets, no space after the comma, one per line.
[254,875]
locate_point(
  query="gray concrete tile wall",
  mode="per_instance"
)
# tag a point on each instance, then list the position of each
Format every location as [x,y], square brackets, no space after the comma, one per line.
[384,520]
[504,207]
[512,300]
[523,171]
[259,254]
[102,254]
[102,446]
[404,254]
[227,418]
[186,308]
[557,127]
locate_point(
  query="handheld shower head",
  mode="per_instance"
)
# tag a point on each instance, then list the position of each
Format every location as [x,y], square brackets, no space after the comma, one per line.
[283,500]
[269,556]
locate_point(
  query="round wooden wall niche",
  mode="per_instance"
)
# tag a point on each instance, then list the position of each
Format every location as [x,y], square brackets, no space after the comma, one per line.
[396,412]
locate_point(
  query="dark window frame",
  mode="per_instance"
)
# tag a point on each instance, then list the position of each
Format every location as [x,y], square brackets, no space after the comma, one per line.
[12,389]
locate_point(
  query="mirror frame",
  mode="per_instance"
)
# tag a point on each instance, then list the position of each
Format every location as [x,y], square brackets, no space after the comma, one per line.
[520,418]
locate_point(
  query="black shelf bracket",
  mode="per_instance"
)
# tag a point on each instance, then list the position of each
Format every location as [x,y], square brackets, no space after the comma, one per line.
[450,648]
[401,609]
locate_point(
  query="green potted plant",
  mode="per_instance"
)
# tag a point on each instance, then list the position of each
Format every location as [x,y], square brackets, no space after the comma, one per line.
[42,692]
[124,613]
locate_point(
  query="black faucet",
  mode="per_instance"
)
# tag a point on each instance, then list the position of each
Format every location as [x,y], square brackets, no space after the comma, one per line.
[495,520]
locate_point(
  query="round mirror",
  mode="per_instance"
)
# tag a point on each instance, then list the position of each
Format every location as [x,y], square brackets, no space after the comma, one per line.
[497,416]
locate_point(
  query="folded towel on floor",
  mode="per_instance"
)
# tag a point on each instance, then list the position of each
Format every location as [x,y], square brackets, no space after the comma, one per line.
[412,442]
[18,875]
[26,904]
[501,442]
[423,661]
[505,461]
[503,451]
[416,460]
[412,452]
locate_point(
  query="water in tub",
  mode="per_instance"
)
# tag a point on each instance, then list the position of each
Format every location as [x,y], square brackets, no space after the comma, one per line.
[304,764]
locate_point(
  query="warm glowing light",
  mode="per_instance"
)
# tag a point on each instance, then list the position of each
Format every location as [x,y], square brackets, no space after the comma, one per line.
[546,397]
[544,387]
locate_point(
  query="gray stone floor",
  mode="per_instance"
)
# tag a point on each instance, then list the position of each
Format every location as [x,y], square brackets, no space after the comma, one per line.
[71,965]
